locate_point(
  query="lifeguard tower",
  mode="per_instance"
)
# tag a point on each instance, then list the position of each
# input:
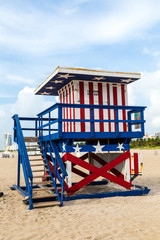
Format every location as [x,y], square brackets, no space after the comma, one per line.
[86,134]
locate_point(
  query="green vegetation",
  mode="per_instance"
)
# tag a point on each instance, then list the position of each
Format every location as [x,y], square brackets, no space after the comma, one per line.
[149,143]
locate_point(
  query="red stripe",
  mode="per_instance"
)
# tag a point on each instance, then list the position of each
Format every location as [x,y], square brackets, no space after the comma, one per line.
[115,102]
[74,126]
[64,109]
[136,163]
[70,108]
[82,112]
[109,112]
[123,104]
[100,99]
[91,97]
[60,97]
[130,166]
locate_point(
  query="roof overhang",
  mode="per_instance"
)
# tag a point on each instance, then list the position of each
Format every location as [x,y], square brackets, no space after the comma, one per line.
[62,76]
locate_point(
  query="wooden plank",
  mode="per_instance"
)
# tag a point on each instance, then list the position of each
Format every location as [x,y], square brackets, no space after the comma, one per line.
[45,176]
[46,204]
[33,150]
[33,160]
[33,146]
[35,155]
[37,165]
[40,170]
[31,139]
[44,196]
[43,189]
[43,182]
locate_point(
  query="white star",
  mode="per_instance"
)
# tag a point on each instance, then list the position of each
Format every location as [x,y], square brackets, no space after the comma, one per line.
[58,81]
[64,147]
[98,78]
[45,93]
[66,76]
[50,88]
[77,150]
[126,80]
[120,146]
[99,148]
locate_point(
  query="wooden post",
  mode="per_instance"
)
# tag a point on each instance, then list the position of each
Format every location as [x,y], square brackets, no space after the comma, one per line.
[90,160]
[69,171]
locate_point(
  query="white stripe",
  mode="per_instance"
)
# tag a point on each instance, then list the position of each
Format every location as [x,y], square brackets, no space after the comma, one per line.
[68,124]
[77,110]
[111,103]
[86,101]
[96,102]
[119,99]
[105,102]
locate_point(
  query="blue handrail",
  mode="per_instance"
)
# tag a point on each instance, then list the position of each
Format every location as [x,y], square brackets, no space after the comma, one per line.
[61,106]
[18,137]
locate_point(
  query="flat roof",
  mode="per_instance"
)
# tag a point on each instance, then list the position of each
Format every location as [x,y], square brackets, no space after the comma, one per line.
[63,75]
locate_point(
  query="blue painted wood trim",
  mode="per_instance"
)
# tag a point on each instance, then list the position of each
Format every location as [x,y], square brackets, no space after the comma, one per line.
[20,190]
[136,192]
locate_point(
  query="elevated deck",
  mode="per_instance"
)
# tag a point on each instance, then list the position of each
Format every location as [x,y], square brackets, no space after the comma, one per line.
[52,128]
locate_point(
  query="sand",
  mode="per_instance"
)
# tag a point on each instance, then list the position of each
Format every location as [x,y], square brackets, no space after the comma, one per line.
[108,218]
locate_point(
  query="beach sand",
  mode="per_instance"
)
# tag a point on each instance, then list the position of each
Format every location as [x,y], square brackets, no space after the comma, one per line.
[109,218]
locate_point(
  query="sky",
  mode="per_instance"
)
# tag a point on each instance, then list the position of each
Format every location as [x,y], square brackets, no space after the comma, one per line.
[36,36]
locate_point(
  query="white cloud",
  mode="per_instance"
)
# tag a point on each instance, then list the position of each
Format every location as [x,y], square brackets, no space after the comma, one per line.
[146,92]
[131,96]
[29,104]
[146,51]
[16,79]
[26,105]
[35,31]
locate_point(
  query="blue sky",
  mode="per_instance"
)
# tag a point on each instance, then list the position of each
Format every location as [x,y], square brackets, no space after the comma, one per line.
[37,36]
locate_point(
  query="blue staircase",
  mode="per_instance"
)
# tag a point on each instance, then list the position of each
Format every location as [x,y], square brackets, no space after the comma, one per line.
[40,188]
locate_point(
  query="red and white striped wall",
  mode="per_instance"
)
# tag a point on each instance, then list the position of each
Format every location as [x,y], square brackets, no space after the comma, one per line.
[136,164]
[98,93]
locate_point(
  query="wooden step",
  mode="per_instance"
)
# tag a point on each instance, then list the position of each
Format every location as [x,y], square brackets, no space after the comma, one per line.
[46,176]
[35,155]
[43,182]
[40,170]
[45,204]
[33,150]
[53,195]
[37,165]
[39,159]
[43,188]
[31,139]
[33,146]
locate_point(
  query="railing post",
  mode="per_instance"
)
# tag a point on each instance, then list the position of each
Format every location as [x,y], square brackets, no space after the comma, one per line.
[18,172]
[62,189]
[142,124]
[41,126]
[92,122]
[15,131]
[39,130]
[49,125]
[55,174]
[129,123]
[117,124]
[60,121]
[36,127]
